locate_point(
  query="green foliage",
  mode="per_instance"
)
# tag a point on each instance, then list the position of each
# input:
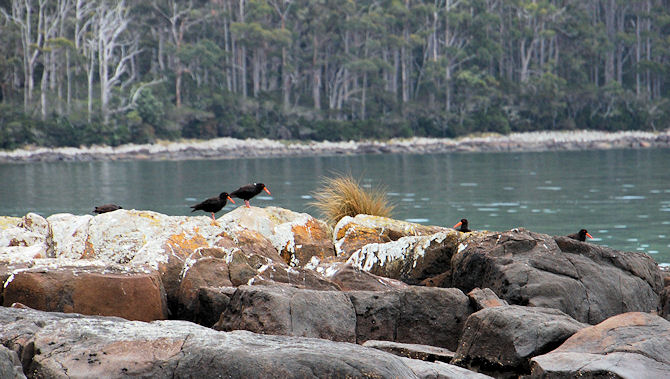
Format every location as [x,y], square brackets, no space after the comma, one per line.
[339,70]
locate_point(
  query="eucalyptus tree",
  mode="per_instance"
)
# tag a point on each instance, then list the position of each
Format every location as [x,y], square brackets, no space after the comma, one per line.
[179,17]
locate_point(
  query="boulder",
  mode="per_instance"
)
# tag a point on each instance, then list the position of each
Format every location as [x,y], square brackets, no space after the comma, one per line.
[412,350]
[296,236]
[10,365]
[630,345]
[286,310]
[82,287]
[350,278]
[248,242]
[107,347]
[210,303]
[664,303]
[586,281]
[484,298]
[440,370]
[139,238]
[421,315]
[501,340]
[204,273]
[410,259]
[352,233]
[280,273]
[25,239]
[70,233]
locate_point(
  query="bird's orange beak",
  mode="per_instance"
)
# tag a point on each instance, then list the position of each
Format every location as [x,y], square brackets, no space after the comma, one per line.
[459,224]
[231,199]
[267,190]
[588,235]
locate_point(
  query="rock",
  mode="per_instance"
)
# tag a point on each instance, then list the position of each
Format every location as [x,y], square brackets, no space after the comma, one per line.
[139,238]
[280,273]
[105,347]
[70,233]
[30,238]
[350,278]
[586,281]
[248,242]
[630,345]
[410,259]
[501,340]
[414,351]
[285,310]
[429,316]
[352,233]
[664,303]
[211,302]
[440,370]
[10,365]
[133,294]
[484,298]
[205,272]
[296,236]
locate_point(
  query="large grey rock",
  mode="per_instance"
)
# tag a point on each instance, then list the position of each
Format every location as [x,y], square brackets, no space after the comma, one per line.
[586,281]
[429,316]
[502,339]
[10,365]
[287,310]
[631,345]
[106,347]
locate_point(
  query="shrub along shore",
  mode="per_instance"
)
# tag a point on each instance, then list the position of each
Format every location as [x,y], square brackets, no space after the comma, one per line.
[227,148]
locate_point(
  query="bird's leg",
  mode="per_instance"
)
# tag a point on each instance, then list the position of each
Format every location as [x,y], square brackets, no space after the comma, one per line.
[213,216]
[246,202]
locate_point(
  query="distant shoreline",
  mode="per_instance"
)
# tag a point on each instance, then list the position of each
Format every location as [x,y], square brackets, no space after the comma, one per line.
[231,148]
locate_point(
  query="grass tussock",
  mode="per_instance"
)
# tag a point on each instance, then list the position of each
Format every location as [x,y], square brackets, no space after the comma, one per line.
[343,196]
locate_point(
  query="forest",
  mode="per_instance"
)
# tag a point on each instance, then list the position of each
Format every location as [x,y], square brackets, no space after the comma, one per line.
[81,72]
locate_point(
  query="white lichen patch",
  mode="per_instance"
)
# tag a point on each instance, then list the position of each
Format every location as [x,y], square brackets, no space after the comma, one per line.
[461,247]
[378,254]
[313,263]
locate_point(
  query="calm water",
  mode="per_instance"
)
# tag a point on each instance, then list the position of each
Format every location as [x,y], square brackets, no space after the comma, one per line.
[622,197]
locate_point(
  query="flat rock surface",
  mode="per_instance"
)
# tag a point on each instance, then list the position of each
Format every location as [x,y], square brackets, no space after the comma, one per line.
[66,347]
[630,345]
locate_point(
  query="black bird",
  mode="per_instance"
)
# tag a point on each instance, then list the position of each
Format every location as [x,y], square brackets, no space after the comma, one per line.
[250,190]
[213,204]
[580,235]
[106,208]
[463,226]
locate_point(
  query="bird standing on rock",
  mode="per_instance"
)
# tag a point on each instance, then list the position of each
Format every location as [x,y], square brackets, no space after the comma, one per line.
[463,226]
[248,191]
[213,204]
[580,235]
[106,208]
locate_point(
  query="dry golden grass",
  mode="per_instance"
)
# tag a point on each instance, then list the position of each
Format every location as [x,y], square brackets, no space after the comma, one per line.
[343,196]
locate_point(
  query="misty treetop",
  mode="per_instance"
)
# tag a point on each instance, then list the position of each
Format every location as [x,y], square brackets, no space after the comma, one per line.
[100,71]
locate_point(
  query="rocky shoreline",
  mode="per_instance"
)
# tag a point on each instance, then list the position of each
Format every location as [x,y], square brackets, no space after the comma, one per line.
[230,148]
[267,292]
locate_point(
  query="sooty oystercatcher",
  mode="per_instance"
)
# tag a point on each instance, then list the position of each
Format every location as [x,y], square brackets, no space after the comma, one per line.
[213,204]
[106,208]
[580,235]
[463,226]
[250,190]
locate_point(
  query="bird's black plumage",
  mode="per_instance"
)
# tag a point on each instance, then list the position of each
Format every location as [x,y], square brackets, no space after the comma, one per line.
[580,235]
[213,204]
[462,226]
[248,191]
[106,208]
